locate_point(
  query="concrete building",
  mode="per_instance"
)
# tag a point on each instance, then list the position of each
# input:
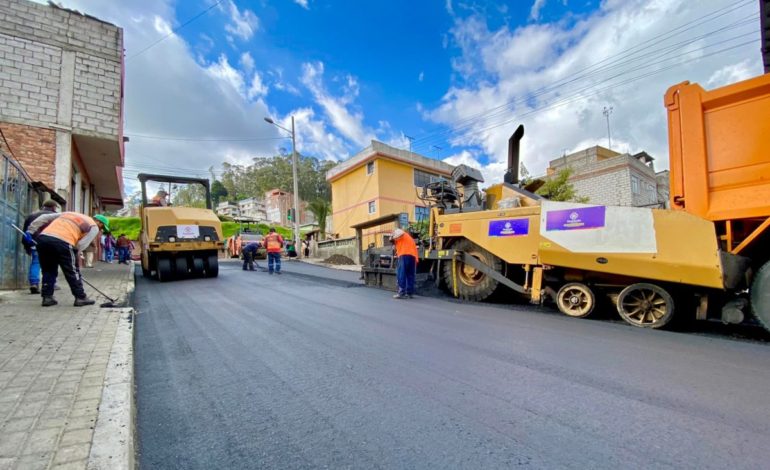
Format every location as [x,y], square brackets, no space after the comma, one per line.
[380,180]
[252,208]
[61,101]
[277,205]
[227,209]
[611,178]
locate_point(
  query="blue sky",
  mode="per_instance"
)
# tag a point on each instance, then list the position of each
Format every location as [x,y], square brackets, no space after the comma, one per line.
[457,76]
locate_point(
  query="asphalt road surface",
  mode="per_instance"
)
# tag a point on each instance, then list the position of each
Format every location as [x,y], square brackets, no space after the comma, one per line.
[257,371]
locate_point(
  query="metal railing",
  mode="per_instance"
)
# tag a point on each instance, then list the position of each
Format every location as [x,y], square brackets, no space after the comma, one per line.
[17,198]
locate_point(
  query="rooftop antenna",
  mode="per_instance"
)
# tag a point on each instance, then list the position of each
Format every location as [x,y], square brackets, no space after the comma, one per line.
[607,111]
[410,139]
[437,149]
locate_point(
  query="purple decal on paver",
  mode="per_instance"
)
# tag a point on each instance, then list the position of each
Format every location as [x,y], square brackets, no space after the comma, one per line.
[508,227]
[575,219]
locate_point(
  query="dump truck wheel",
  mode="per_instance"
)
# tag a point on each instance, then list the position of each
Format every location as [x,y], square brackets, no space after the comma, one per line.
[473,284]
[575,300]
[212,266]
[198,267]
[164,269]
[180,266]
[760,296]
[646,305]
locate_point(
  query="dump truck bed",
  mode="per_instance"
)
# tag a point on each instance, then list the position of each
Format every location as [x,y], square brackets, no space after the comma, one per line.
[719,149]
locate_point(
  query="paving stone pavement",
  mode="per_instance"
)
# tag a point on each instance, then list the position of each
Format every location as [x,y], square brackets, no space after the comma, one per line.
[53,363]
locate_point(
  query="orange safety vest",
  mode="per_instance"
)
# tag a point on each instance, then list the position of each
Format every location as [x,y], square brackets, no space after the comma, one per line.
[273,243]
[69,227]
[405,245]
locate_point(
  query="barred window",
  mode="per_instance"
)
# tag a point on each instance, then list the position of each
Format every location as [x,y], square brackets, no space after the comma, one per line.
[421,178]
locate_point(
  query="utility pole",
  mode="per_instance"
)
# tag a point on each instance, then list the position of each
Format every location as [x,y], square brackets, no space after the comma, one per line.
[410,139]
[607,111]
[295,214]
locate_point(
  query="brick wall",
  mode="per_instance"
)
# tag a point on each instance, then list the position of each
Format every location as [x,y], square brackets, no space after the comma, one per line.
[29,81]
[34,40]
[35,148]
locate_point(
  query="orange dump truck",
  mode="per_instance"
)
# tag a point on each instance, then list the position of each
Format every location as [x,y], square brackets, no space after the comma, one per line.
[719,150]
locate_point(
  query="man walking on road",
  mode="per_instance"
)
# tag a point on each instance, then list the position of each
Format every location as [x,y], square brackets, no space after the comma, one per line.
[406,252]
[273,245]
[58,245]
[49,207]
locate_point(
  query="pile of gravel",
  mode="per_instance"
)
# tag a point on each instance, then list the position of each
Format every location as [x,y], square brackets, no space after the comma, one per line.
[338,259]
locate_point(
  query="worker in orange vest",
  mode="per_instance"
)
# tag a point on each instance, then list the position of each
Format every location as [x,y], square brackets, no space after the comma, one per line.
[273,245]
[406,253]
[58,245]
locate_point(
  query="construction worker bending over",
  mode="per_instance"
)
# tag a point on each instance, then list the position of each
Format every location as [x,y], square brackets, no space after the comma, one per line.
[58,246]
[49,207]
[249,251]
[406,252]
[273,245]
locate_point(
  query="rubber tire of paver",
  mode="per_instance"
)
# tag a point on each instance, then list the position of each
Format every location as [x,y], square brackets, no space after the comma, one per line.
[482,286]
[570,290]
[660,294]
[198,267]
[164,269]
[212,266]
[760,296]
[180,267]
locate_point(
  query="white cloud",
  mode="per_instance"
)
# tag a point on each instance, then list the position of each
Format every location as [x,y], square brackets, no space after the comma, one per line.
[540,75]
[243,24]
[247,62]
[421,77]
[302,3]
[731,73]
[257,88]
[347,121]
[534,12]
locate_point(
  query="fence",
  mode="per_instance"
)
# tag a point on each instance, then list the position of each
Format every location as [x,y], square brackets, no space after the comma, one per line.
[341,246]
[17,198]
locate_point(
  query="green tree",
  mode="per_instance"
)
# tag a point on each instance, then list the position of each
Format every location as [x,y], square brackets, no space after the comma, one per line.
[558,188]
[218,191]
[188,195]
[320,208]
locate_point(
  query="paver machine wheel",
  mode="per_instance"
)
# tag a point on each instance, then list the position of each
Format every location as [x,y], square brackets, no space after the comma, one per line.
[212,266]
[760,296]
[165,273]
[472,284]
[575,300]
[646,305]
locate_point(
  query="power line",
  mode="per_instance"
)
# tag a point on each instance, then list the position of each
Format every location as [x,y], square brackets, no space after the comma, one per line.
[195,139]
[430,138]
[175,30]
[623,58]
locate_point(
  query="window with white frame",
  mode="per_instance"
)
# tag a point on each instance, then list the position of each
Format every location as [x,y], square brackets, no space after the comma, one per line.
[372,207]
[370,168]
[634,184]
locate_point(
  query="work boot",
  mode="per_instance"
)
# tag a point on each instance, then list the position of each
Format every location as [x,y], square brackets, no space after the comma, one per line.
[83,302]
[34,290]
[400,296]
[49,301]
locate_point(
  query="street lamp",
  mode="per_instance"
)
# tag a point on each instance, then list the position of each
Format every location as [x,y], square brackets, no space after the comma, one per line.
[297,243]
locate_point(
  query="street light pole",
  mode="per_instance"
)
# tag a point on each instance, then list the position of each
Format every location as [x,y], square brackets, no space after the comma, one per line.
[296,215]
[607,111]
[297,243]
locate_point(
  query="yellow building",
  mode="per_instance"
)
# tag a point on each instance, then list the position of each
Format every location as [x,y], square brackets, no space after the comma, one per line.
[378,181]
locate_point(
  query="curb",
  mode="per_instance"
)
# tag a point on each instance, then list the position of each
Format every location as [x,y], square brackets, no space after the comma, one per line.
[326,280]
[113,445]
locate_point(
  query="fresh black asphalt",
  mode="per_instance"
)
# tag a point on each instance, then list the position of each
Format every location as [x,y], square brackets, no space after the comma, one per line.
[255,371]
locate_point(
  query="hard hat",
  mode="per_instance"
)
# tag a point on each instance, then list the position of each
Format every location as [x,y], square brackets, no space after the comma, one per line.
[162,191]
[397,233]
[104,220]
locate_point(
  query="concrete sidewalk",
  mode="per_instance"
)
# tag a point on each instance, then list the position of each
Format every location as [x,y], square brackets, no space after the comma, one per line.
[66,377]
[341,267]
